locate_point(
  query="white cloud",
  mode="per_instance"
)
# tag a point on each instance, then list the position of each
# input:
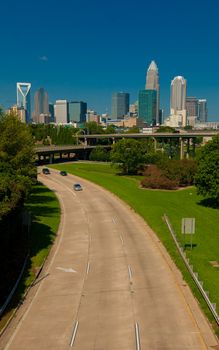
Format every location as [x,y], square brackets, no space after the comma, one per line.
[43,58]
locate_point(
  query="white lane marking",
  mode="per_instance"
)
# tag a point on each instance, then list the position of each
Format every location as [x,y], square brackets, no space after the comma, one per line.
[88,268]
[66,269]
[74,334]
[114,221]
[130,273]
[121,239]
[137,337]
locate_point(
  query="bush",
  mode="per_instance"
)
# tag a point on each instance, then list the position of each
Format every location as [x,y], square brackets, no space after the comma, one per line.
[182,171]
[155,178]
[170,174]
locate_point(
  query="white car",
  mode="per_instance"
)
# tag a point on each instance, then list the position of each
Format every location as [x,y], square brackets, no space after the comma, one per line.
[77,187]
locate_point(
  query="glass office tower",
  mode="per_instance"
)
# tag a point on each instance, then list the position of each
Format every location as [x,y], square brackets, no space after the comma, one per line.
[77,111]
[147,106]
[41,104]
[202,110]
[120,105]
[152,83]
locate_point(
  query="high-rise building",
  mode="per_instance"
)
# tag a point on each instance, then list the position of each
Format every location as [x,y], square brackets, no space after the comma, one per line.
[178,94]
[152,83]
[77,111]
[61,111]
[202,110]
[51,112]
[147,106]
[191,106]
[41,105]
[178,99]
[120,105]
[23,99]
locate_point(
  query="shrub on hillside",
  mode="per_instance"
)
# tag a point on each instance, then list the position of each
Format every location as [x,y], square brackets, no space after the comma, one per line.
[182,171]
[155,178]
[170,174]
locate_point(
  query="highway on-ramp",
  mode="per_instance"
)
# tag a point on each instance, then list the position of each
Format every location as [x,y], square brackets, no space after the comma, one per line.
[109,283]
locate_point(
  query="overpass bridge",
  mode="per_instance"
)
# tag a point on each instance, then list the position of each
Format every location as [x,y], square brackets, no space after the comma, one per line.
[81,151]
[187,143]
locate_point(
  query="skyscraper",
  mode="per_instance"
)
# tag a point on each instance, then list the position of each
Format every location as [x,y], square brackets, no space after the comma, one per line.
[23,99]
[77,111]
[51,112]
[191,106]
[178,94]
[202,110]
[152,83]
[61,111]
[147,106]
[178,99]
[41,105]
[120,105]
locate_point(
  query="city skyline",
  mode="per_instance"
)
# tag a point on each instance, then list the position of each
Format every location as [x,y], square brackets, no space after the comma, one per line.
[94,55]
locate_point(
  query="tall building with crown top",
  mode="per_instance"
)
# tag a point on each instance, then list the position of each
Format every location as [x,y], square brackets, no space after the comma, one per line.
[152,83]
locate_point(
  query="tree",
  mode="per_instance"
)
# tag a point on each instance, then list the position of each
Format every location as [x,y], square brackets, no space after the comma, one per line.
[133,130]
[207,177]
[128,155]
[17,169]
[99,154]
[93,128]
[167,129]
[110,129]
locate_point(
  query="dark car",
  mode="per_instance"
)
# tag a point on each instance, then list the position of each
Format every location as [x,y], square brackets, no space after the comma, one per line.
[63,173]
[77,187]
[46,171]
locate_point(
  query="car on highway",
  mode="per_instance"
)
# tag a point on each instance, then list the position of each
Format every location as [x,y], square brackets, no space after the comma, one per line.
[77,187]
[46,171]
[63,173]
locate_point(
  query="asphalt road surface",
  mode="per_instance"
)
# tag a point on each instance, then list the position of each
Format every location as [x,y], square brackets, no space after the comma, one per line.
[109,284]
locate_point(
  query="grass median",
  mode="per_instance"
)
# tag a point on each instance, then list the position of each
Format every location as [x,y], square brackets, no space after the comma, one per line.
[45,214]
[151,205]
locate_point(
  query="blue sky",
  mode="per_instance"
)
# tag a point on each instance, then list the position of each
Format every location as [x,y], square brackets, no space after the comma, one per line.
[88,49]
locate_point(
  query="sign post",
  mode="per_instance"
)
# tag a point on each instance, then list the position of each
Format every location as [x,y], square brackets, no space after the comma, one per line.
[188,227]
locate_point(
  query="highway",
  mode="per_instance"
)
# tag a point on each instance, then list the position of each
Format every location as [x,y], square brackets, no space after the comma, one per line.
[109,283]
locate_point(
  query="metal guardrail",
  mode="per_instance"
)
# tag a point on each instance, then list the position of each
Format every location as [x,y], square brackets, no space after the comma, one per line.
[194,275]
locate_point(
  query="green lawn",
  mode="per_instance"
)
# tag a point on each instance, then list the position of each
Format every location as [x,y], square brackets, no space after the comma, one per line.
[151,205]
[45,212]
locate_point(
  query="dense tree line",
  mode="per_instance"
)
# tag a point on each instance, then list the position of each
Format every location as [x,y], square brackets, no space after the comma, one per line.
[52,134]
[68,134]
[207,177]
[17,175]
[17,169]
